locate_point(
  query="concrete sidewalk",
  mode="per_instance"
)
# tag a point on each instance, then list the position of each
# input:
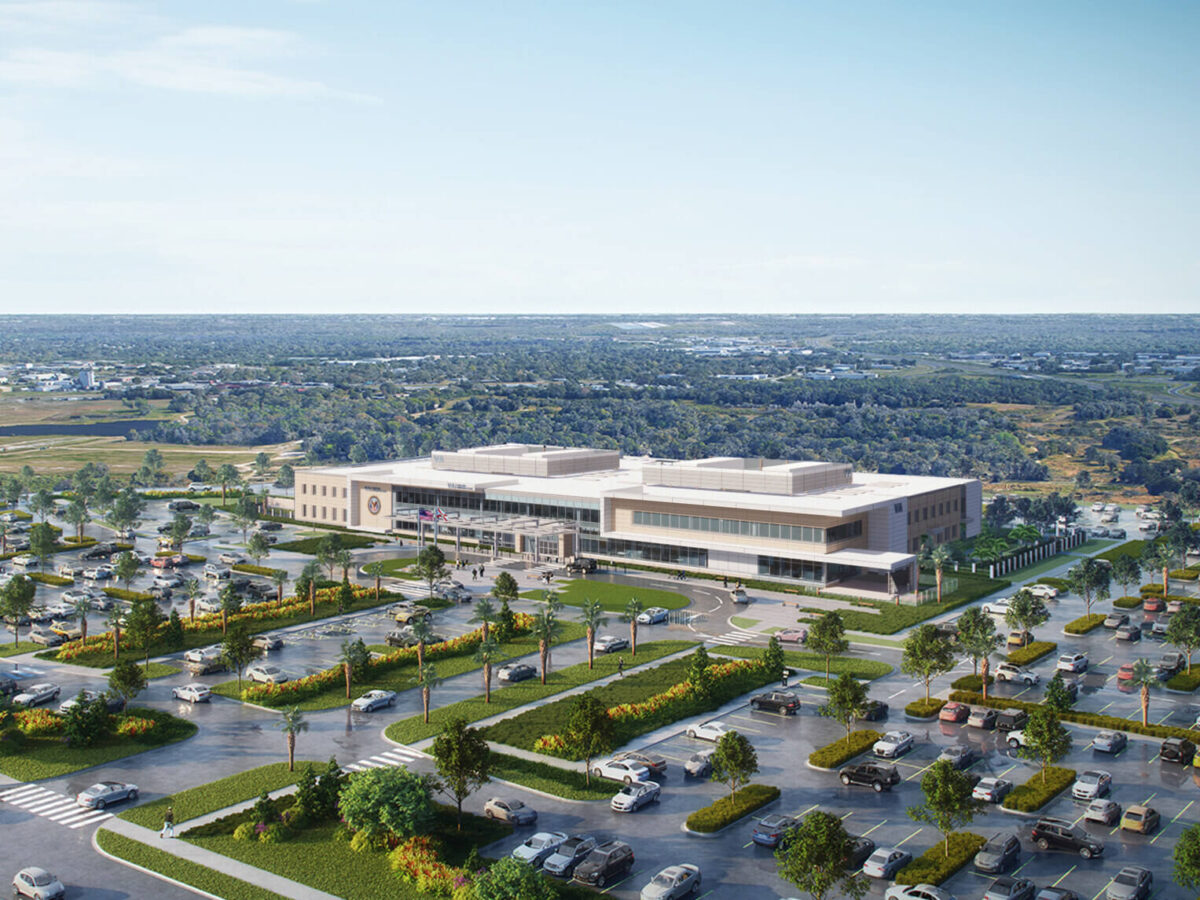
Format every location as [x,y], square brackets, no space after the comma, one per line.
[215,861]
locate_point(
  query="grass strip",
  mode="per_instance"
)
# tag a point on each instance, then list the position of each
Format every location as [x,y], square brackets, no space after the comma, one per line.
[18,648]
[310,545]
[201,877]
[570,784]
[942,860]
[1095,720]
[159,670]
[862,669]
[613,597]
[215,795]
[843,749]
[1031,653]
[1034,793]
[1084,624]
[414,728]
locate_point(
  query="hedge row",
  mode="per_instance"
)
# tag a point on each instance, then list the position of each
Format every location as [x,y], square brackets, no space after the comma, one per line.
[1185,574]
[1060,584]
[1129,548]
[122,594]
[257,570]
[729,809]
[833,755]
[923,709]
[1127,602]
[1111,723]
[970,683]
[52,580]
[935,865]
[1084,624]
[310,545]
[1023,656]
[1185,681]
[1034,794]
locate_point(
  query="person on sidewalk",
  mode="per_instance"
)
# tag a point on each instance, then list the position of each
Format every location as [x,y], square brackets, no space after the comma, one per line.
[620,667]
[168,829]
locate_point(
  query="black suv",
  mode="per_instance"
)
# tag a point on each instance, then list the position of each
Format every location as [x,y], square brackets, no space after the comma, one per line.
[98,551]
[1177,750]
[1060,834]
[873,775]
[609,862]
[182,505]
[784,702]
[582,565]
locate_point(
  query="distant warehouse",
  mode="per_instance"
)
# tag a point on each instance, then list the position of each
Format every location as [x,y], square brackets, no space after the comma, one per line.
[816,523]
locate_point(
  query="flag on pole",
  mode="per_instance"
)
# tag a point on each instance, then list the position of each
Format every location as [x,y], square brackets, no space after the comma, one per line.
[424,515]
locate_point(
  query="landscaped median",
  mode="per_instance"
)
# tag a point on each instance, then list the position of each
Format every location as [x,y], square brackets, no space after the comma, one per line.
[862,669]
[525,693]
[935,865]
[1036,793]
[1185,681]
[32,745]
[250,569]
[840,751]
[570,784]
[1031,653]
[612,597]
[924,709]
[724,812]
[1095,720]
[1084,624]
[1127,602]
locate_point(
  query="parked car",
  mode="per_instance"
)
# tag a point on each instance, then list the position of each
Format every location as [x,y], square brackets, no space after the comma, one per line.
[1116,619]
[872,775]
[1106,812]
[609,862]
[266,674]
[192,693]
[201,654]
[1057,893]
[1173,661]
[858,851]
[635,795]
[1091,785]
[264,525]
[708,731]
[1019,639]
[770,830]
[8,687]
[1131,883]
[1129,633]
[992,790]
[581,565]
[653,616]
[885,862]
[267,641]
[983,717]
[45,637]
[37,883]
[568,855]
[1043,591]
[75,595]
[1011,672]
[509,810]
[1011,719]
[99,551]
[876,711]
[620,770]
[893,744]
[36,694]
[739,595]
[1007,887]
[231,559]
[954,712]
[1072,662]
[783,702]
[655,763]
[699,765]
[610,643]
[1153,604]
[515,672]
[997,607]
[373,700]
[98,573]
[672,883]
[406,612]
[538,848]
[1060,834]
[1142,819]
[106,793]
[1177,750]
[111,703]
[916,892]
[998,853]
[959,755]
[217,573]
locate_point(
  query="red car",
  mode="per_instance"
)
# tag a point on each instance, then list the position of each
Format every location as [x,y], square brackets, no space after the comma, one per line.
[954,712]
[168,562]
[1154,604]
[1125,673]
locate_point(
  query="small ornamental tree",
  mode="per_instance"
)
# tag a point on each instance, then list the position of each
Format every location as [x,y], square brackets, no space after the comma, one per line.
[593,619]
[388,799]
[127,568]
[463,761]
[181,527]
[845,701]
[633,609]
[513,879]
[1026,612]
[589,732]
[142,625]
[1090,581]
[1046,740]
[978,639]
[506,622]
[827,637]
[544,630]
[940,557]
[16,598]
[734,763]
[813,857]
[773,657]
[699,672]
[375,570]
[126,680]
[1186,856]
[42,543]
[431,566]
[487,654]
[1126,571]
[354,658]
[238,650]
[1183,631]
[1057,696]
[173,635]
[292,723]
[1144,678]
[86,722]
[257,548]
[948,802]
[505,587]
[927,654]
[427,679]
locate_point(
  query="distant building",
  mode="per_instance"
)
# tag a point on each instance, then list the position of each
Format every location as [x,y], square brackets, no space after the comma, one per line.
[86,379]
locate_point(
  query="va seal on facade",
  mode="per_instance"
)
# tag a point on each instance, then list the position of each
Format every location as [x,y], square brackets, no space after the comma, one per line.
[373,506]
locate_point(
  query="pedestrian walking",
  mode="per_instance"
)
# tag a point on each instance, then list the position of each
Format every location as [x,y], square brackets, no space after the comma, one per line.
[168,829]
[620,667]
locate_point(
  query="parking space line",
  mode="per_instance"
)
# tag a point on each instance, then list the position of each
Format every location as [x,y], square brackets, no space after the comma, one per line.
[1025,691]
[805,812]
[873,827]
[634,875]
[845,816]
[1164,718]
[911,836]
[919,771]
[897,694]
[1102,890]
[1063,875]
[1018,869]
[1103,661]
[1106,706]
[1153,758]
[1151,797]
[1006,771]
[1081,815]
[1182,811]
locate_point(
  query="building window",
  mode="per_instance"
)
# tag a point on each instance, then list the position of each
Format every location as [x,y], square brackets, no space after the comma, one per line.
[304,509]
[343,515]
[304,488]
[324,512]
[324,490]
[897,508]
[343,493]
[805,533]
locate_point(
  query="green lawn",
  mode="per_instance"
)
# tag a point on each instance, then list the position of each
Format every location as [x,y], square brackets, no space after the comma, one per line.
[613,597]
[159,670]
[18,649]
[396,567]
[215,795]
[743,622]
[209,880]
[864,669]
[551,779]
[414,728]
[309,545]
[403,677]
[49,757]
[1038,568]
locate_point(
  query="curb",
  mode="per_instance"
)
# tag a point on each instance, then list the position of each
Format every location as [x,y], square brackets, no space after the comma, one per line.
[167,878]
[521,787]
[922,719]
[819,768]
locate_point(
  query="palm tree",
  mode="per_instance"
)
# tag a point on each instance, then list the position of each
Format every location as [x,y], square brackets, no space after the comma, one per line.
[422,631]
[280,577]
[1163,557]
[291,723]
[3,537]
[940,556]
[348,658]
[427,680]
[545,628]
[310,573]
[114,622]
[77,514]
[192,589]
[593,620]
[375,570]
[343,560]
[80,609]
[1144,677]
[633,609]
[484,615]
[226,475]
[1026,534]
[488,654]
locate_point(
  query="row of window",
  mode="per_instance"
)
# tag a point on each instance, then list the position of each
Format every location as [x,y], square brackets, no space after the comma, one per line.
[664,553]
[806,533]
[324,490]
[923,514]
[324,513]
[469,503]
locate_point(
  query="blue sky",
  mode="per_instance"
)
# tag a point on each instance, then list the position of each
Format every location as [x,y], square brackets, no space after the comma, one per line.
[385,155]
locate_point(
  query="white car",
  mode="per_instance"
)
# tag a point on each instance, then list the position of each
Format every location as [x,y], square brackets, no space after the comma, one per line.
[708,731]
[997,607]
[75,595]
[610,643]
[192,693]
[1012,672]
[652,616]
[231,559]
[170,581]
[37,693]
[98,573]
[916,892]
[1015,739]
[1091,785]
[38,884]
[621,770]
[24,561]
[373,700]
[266,674]
[203,654]
[537,849]
[1044,591]
[893,744]
[217,573]
[1072,662]
[59,611]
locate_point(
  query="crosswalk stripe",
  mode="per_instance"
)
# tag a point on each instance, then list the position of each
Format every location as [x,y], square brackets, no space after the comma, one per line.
[66,814]
[383,760]
[60,806]
[366,763]
[22,790]
[97,817]
[39,808]
[33,799]
[353,767]
[80,816]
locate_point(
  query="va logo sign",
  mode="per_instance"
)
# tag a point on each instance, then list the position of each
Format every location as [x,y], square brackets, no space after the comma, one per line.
[373,506]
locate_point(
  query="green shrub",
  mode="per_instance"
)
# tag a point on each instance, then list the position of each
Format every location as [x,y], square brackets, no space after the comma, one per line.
[1023,656]
[934,865]
[1084,624]
[923,709]
[244,832]
[309,545]
[275,833]
[1129,548]
[1127,602]
[888,618]
[970,683]
[122,594]
[833,755]
[52,580]
[256,570]
[730,808]
[1185,681]
[1060,584]
[1185,574]
[1034,794]
[1147,589]
[1111,723]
